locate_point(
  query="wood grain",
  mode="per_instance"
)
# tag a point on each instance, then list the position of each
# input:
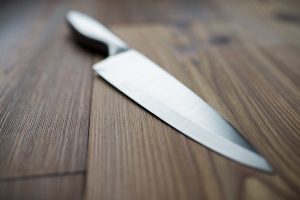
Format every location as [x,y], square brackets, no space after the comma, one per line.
[46,188]
[45,102]
[58,121]
[133,155]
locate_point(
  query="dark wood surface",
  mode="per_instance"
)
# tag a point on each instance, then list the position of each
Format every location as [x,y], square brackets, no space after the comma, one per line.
[67,134]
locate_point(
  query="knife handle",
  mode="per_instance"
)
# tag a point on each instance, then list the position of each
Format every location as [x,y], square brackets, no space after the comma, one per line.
[93,34]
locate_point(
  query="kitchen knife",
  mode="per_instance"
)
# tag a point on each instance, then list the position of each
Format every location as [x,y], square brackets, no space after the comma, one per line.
[160,93]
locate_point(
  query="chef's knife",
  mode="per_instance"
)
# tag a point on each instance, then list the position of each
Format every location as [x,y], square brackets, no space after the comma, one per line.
[160,93]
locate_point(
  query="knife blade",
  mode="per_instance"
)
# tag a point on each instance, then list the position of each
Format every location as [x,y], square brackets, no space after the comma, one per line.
[161,94]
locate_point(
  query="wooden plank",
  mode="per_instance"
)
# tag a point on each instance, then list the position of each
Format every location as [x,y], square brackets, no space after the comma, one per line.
[45,90]
[140,12]
[46,188]
[16,29]
[133,155]
[45,101]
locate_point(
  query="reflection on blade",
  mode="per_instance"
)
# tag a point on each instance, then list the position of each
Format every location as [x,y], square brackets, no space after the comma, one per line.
[167,98]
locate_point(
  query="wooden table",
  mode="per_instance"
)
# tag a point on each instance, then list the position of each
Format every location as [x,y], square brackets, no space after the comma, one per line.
[67,134]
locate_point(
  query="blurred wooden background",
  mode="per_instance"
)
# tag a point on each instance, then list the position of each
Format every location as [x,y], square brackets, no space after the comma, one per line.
[66,134]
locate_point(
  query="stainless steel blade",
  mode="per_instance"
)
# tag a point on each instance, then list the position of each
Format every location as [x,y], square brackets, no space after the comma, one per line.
[164,96]
[160,93]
